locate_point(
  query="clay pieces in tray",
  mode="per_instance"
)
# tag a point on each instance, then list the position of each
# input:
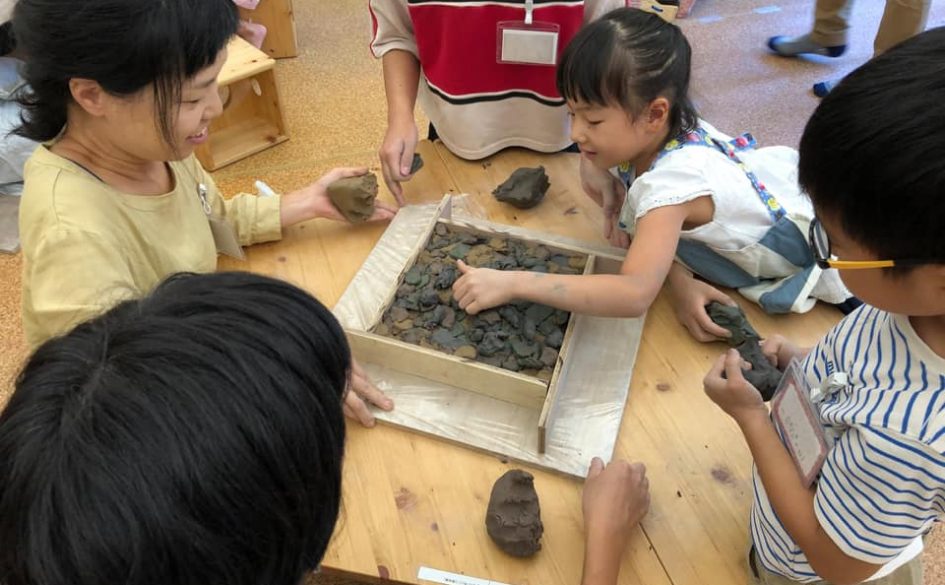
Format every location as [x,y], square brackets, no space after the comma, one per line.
[521,337]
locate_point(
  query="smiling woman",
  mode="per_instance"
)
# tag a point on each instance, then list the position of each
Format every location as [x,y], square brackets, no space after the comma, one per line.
[122,92]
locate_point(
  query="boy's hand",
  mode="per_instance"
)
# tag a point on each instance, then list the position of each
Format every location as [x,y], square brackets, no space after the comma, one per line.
[312,201]
[361,391]
[780,351]
[726,386]
[615,499]
[689,297]
[479,289]
[396,156]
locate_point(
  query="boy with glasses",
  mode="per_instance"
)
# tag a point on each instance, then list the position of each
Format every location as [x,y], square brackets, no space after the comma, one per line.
[872,159]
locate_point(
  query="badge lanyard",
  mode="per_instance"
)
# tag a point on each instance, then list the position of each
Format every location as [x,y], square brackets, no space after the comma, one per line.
[528,41]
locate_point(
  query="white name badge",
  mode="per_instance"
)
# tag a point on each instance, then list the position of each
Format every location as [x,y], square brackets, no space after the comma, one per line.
[527,44]
[799,425]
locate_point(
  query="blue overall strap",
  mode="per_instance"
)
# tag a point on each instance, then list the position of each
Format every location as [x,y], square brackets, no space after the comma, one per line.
[699,137]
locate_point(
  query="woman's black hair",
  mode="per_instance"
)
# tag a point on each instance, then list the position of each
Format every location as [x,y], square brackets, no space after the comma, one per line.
[872,156]
[194,437]
[628,58]
[124,45]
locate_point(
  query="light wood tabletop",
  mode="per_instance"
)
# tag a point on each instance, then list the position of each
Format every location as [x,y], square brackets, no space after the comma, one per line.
[413,501]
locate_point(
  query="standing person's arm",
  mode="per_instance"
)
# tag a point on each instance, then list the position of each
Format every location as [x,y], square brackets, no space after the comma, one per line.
[401,78]
[395,44]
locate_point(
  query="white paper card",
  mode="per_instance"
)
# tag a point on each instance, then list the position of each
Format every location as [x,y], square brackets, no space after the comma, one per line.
[801,429]
[539,47]
[447,578]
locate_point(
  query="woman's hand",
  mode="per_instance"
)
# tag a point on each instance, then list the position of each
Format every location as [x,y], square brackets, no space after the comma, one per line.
[313,201]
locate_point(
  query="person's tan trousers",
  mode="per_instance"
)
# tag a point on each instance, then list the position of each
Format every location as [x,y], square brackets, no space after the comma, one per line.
[901,20]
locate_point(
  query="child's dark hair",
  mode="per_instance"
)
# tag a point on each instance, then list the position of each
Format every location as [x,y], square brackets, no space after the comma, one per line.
[628,58]
[194,437]
[124,45]
[872,156]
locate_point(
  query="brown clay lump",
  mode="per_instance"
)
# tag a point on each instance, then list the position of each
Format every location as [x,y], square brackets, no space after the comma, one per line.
[354,197]
[525,188]
[513,518]
[746,340]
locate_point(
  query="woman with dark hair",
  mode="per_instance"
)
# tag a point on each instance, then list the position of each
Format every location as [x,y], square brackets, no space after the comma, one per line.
[121,93]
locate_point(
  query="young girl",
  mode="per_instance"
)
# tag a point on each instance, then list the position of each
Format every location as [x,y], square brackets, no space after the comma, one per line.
[122,92]
[728,212]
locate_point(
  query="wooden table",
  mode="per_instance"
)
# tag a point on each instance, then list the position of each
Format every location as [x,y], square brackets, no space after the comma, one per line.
[412,501]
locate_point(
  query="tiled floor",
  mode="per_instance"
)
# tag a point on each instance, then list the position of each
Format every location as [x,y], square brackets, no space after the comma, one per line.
[333,100]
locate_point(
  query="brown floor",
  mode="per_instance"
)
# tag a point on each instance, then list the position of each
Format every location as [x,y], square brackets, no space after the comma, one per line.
[333,101]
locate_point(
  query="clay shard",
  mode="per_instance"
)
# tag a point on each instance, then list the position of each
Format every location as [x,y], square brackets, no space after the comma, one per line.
[354,197]
[525,188]
[513,518]
[416,164]
[762,375]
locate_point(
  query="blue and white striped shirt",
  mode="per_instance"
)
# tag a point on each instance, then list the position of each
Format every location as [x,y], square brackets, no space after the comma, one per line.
[883,483]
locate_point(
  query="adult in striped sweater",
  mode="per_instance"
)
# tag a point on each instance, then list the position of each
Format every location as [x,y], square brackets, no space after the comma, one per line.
[872,159]
[445,55]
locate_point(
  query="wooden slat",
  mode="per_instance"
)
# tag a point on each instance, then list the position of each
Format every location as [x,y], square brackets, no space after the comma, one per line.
[441,367]
[547,409]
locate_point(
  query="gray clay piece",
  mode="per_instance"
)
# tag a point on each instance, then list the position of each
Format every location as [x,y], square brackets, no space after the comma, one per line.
[525,188]
[746,340]
[417,163]
[520,337]
[513,519]
[354,197]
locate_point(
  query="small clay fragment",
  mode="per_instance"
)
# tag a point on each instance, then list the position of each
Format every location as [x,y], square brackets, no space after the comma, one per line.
[354,197]
[525,188]
[513,519]
[417,163]
[746,340]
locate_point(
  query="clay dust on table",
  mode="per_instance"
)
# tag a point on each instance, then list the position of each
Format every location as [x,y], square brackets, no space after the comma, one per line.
[521,337]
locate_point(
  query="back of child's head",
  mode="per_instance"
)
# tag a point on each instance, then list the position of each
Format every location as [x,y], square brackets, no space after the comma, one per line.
[872,156]
[194,437]
[124,45]
[628,58]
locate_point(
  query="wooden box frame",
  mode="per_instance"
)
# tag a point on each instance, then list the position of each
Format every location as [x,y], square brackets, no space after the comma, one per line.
[468,374]
[252,116]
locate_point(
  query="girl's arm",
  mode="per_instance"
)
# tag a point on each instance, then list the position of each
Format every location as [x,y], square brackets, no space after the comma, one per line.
[628,294]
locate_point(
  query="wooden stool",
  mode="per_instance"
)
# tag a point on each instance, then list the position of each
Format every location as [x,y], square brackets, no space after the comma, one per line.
[252,119]
[278,18]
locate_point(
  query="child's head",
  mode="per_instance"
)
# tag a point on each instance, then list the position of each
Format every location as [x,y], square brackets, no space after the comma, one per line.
[626,80]
[194,437]
[872,159]
[143,71]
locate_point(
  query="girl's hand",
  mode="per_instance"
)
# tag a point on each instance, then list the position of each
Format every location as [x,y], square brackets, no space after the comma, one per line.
[396,155]
[726,386]
[607,191]
[479,289]
[361,391]
[780,351]
[689,297]
[313,201]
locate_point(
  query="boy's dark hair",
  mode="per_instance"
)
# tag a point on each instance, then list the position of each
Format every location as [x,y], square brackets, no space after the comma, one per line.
[872,156]
[124,45]
[628,58]
[194,437]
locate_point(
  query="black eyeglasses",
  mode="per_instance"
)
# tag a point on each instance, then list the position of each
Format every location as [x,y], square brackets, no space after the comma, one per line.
[820,246]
